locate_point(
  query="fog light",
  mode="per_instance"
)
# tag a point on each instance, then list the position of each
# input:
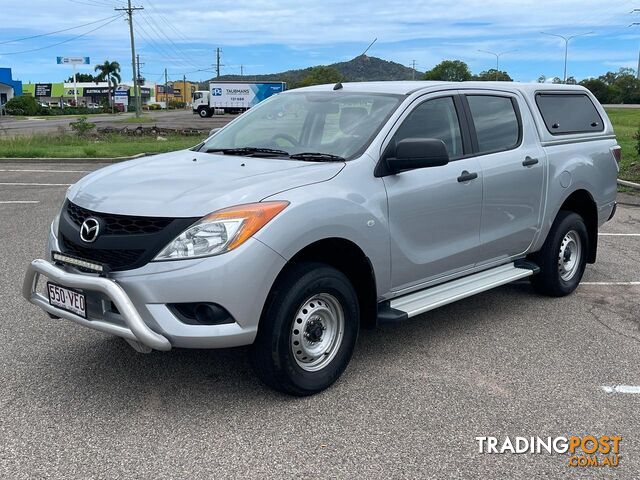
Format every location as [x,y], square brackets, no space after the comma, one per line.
[202,313]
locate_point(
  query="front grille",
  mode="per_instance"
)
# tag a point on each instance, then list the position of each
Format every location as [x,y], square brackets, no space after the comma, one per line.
[117,259]
[118,224]
[124,242]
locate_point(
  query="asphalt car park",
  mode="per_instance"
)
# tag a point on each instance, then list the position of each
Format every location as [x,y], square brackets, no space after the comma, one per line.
[76,403]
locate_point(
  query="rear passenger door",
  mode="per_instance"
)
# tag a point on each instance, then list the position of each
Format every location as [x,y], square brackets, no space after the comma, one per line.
[513,164]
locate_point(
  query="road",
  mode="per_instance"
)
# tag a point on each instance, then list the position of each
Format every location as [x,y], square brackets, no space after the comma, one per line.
[177,119]
[76,403]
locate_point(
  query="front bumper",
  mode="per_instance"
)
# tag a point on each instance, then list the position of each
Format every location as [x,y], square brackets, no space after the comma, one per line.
[239,281]
[134,328]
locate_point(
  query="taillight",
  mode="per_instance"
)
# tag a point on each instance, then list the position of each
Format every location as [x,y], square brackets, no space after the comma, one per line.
[617,153]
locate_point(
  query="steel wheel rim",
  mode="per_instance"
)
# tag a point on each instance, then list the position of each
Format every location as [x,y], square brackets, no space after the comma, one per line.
[317,332]
[569,255]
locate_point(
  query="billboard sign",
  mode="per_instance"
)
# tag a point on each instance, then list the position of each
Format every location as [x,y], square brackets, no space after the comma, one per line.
[42,90]
[73,60]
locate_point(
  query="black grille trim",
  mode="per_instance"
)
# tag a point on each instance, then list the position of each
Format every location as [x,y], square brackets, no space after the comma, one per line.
[118,249]
[118,224]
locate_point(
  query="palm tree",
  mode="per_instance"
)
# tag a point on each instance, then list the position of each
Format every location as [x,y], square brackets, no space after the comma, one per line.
[110,72]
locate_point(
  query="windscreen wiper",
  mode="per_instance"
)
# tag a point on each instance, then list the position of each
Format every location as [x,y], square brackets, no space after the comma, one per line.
[250,151]
[317,157]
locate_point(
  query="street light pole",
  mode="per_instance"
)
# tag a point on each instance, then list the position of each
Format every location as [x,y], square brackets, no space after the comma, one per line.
[497,55]
[566,47]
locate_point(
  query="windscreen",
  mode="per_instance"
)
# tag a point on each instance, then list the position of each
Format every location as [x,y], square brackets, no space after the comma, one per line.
[335,123]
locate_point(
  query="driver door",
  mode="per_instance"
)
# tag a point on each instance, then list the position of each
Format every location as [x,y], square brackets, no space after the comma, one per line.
[434,213]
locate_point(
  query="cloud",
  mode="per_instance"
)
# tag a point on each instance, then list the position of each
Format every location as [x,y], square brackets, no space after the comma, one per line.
[183,35]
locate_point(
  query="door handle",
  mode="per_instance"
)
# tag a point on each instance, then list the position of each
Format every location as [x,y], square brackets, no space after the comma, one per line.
[528,161]
[467,176]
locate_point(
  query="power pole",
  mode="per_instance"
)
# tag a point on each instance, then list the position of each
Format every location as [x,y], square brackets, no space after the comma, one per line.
[184,88]
[136,91]
[218,62]
[166,89]
[242,70]
[413,69]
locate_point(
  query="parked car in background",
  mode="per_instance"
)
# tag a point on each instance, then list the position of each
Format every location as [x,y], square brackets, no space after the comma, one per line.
[326,209]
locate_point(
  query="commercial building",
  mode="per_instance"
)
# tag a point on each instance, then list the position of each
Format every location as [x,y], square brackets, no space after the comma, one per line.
[178,91]
[9,87]
[88,94]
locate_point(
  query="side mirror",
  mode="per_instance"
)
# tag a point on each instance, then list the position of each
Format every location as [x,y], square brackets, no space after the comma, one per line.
[412,153]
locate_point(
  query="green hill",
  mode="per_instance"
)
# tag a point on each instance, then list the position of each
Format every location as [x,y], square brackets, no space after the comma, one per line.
[359,69]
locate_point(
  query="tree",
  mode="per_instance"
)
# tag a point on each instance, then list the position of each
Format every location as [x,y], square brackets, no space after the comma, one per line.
[626,89]
[556,80]
[600,89]
[82,77]
[449,71]
[571,81]
[320,75]
[109,72]
[493,75]
[22,105]
[542,79]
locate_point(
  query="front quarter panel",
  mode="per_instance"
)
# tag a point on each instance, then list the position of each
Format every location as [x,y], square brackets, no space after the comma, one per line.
[351,206]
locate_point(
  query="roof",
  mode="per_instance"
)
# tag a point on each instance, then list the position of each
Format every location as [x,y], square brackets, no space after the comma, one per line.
[408,87]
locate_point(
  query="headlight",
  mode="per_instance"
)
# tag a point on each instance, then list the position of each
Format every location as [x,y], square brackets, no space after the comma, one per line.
[221,231]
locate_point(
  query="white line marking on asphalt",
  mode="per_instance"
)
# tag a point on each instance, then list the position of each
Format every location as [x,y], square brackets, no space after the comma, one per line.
[619,234]
[43,171]
[609,283]
[621,389]
[19,201]
[38,184]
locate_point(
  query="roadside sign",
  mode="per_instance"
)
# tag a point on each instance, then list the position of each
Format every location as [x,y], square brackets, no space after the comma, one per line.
[42,90]
[121,96]
[73,60]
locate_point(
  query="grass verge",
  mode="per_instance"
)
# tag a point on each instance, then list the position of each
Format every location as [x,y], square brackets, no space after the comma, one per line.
[70,146]
[626,123]
[140,119]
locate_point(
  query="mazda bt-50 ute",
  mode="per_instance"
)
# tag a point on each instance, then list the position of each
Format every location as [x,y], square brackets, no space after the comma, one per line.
[329,208]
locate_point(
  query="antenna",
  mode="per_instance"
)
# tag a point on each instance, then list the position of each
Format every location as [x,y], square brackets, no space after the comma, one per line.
[367,49]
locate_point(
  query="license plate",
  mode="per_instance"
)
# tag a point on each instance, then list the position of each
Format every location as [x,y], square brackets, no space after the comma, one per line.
[67,299]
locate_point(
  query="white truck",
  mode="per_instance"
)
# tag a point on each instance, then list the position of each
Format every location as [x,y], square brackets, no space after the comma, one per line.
[233,97]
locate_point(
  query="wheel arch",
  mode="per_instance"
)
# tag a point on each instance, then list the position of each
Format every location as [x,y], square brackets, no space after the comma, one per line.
[581,202]
[347,257]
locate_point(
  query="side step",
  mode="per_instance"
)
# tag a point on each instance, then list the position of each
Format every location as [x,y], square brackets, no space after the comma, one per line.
[424,300]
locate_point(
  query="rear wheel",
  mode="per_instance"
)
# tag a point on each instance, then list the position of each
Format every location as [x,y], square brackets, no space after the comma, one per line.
[563,257]
[308,330]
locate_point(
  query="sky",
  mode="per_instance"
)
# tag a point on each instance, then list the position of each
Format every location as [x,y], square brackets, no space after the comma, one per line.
[262,36]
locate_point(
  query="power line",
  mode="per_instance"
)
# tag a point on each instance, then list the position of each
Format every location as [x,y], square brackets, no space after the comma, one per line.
[64,41]
[59,31]
[151,22]
[93,3]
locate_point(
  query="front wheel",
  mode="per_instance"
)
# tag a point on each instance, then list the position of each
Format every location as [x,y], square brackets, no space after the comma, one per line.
[203,112]
[308,330]
[563,256]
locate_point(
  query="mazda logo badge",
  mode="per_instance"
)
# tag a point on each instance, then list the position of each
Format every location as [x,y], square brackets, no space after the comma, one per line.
[89,230]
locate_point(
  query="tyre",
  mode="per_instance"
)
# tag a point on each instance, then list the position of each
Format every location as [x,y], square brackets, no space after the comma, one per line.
[308,330]
[203,112]
[563,256]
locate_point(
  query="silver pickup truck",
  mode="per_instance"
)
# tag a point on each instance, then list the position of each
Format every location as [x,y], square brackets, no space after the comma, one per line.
[331,208]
